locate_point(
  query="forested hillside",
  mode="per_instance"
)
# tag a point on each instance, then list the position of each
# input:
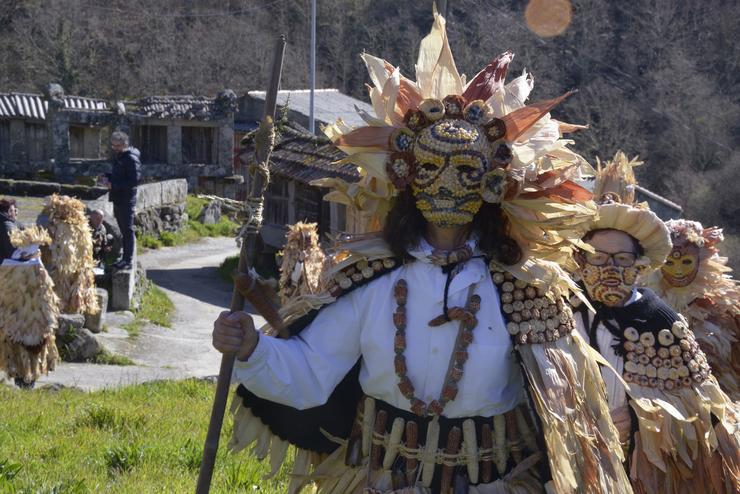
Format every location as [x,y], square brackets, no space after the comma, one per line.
[658,78]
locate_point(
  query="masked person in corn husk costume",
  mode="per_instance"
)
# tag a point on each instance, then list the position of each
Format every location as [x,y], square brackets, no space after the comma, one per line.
[303,262]
[28,319]
[440,357]
[695,280]
[679,427]
[69,257]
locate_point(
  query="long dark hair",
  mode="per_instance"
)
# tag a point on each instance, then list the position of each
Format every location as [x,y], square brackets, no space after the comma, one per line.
[405,225]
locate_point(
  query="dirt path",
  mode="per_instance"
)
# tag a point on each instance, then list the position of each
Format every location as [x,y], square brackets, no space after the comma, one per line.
[188,275]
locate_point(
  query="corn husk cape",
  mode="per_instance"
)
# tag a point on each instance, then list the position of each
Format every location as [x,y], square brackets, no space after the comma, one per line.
[547,212]
[69,257]
[28,319]
[711,302]
[687,439]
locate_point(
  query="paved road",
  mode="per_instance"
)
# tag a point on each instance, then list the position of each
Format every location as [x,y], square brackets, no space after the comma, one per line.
[188,275]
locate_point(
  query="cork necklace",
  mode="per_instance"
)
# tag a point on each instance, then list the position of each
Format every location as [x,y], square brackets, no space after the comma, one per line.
[459,355]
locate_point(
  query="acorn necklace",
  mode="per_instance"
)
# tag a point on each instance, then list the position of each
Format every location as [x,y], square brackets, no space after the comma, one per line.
[459,355]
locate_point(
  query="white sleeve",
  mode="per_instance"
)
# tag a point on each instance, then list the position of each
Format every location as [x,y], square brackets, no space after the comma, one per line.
[303,371]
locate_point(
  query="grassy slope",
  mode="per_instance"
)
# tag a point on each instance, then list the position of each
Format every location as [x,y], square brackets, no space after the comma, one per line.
[136,440]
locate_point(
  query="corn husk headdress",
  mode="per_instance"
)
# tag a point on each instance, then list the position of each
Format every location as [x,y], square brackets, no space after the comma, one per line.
[532,170]
[614,190]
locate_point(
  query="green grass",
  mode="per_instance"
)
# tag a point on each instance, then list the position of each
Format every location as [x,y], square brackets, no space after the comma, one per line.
[136,440]
[156,307]
[107,358]
[193,231]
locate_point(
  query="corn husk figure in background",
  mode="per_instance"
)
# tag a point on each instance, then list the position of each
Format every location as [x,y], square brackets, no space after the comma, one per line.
[69,258]
[439,409]
[303,262]
[680,428]
[695,280]
[28,319]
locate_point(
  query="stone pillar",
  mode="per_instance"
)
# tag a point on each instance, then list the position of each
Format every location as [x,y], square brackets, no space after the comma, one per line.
[174,145]
[123,283]
[57,128]
[226,145]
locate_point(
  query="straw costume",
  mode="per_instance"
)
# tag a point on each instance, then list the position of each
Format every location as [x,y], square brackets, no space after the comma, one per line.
[695,280]
[28,319]
[302,263]
[682,428]
[428,371]
[70,255]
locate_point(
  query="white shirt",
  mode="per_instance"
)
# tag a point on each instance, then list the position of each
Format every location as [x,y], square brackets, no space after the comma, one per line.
[303,371]
[615,393]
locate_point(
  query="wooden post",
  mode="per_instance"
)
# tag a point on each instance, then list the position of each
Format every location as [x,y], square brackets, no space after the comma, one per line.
[254,202]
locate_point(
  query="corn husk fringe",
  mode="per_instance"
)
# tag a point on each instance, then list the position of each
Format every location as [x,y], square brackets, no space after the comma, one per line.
[568,392]
[677,449]
[28,321]
[328,474]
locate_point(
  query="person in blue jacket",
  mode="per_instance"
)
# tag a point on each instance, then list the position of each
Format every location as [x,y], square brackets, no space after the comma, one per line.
[124,180]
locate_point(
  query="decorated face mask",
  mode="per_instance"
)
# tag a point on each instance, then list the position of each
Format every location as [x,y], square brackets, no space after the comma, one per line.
[451,158]
[682,265]
[610,284]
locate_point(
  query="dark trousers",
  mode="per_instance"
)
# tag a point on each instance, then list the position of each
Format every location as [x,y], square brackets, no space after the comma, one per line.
[124,213]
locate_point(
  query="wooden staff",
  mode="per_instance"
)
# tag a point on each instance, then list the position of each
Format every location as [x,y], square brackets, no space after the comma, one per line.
[263,147]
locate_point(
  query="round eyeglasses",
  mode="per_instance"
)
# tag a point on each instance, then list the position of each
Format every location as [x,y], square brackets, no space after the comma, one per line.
[621,259]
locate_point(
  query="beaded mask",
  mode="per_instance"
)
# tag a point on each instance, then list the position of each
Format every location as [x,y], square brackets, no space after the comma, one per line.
[610,284]
[444,153]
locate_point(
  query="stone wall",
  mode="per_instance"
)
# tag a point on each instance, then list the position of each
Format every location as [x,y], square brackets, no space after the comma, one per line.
[39,189]
[160,206]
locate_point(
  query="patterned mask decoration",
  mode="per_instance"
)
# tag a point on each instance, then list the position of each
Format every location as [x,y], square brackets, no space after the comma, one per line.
[609,284]
[682,265]
[451,157]
[444,153]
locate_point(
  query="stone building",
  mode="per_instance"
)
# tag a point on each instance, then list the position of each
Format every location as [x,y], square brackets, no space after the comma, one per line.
[67,136]
[24,137]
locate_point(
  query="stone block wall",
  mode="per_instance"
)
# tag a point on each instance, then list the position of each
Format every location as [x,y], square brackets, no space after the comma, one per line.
[160,206]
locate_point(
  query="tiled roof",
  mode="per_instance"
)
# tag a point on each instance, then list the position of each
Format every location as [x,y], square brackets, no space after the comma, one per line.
[21,105]
[329,104]
[201,108]
[304,157]
[177,107]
